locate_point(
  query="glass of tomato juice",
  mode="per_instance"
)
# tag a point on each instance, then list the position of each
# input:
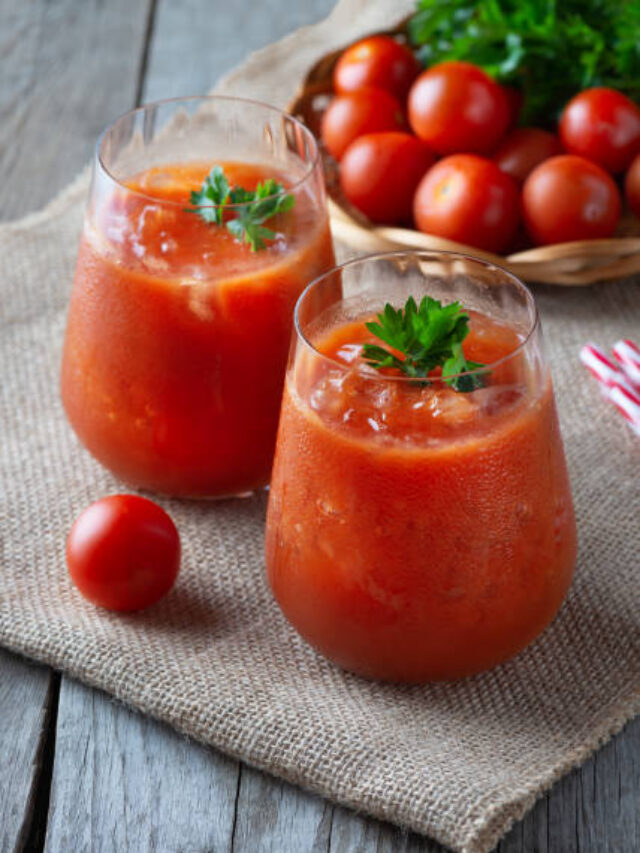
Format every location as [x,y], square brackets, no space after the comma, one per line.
[181,308]
[416,532]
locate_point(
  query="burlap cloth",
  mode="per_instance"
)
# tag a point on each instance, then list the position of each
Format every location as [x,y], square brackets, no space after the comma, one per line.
[215,659]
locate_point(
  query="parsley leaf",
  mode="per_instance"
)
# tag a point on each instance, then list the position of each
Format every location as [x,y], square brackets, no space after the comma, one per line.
[215,190]
[550,49]
[428,335]
[254,207]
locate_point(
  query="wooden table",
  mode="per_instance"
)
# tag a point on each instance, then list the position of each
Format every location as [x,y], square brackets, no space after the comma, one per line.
[79,772]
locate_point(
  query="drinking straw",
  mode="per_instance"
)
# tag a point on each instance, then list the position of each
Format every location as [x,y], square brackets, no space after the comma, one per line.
[627,354]
[628,404]
[617,382]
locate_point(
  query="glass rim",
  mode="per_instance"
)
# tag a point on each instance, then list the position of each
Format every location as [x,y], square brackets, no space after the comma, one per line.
[425,254]
[312,164]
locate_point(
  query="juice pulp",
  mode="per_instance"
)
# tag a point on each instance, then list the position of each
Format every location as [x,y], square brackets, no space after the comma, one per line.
[414,532]
[178,334]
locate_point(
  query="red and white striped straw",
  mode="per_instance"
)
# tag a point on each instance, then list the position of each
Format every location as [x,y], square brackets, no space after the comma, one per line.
[628,405]
[627,354]
[617,385]
[605,371]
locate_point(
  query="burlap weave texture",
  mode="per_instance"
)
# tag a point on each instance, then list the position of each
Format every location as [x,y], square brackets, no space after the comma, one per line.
[218,661]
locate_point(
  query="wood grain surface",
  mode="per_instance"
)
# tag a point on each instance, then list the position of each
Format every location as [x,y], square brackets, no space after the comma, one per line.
[68,66]
[25,709]
[79,772]
[121,781]
[65,66]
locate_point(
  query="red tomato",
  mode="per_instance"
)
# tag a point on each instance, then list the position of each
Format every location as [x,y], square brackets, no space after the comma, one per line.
[379,174]
[602,125]
[569,198]
[123,552]
[353,115]
[632,186]
[379,62]
[468,199]
[456,107]
[523,149]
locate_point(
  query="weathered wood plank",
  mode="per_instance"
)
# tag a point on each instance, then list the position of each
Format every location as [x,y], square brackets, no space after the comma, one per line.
[68,67]
[54,56]
[594,809]
[609,804]
[122,781]
[194,42]
[351,833]
[274,817]
[532,832]
[25,694]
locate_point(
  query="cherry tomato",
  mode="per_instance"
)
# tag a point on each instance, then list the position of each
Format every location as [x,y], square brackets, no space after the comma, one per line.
[466,198]
[523,149]
[379,174]
[379,62]
[569,198]
[123,552]
[456,107]
[632,186]
[353,115]
[602,125]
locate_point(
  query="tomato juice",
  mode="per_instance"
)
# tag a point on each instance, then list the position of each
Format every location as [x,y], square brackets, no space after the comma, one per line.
[416,532]
[178,333]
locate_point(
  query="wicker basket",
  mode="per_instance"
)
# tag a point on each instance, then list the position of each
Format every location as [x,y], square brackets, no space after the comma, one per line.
[577,263]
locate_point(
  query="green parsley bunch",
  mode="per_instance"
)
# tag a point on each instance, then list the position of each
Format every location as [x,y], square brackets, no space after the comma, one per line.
[549,49]
[428,335]
[251,209]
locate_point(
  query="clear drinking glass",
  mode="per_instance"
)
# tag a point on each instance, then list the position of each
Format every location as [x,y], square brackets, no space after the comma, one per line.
[416,532]
[178,331]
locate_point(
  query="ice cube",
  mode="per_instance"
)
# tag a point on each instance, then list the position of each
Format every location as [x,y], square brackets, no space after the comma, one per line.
[349,352]
[452,407]
[496,398]
[382,395]
[330,510]
[153,220]
[158,181]
[168,245]
[327,396]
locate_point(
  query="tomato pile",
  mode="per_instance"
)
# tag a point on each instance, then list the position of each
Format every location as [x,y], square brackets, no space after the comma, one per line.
[441,150]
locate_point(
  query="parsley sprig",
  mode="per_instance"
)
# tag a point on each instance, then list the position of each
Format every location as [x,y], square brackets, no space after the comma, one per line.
[550,49]
[428,335]
[255,208]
